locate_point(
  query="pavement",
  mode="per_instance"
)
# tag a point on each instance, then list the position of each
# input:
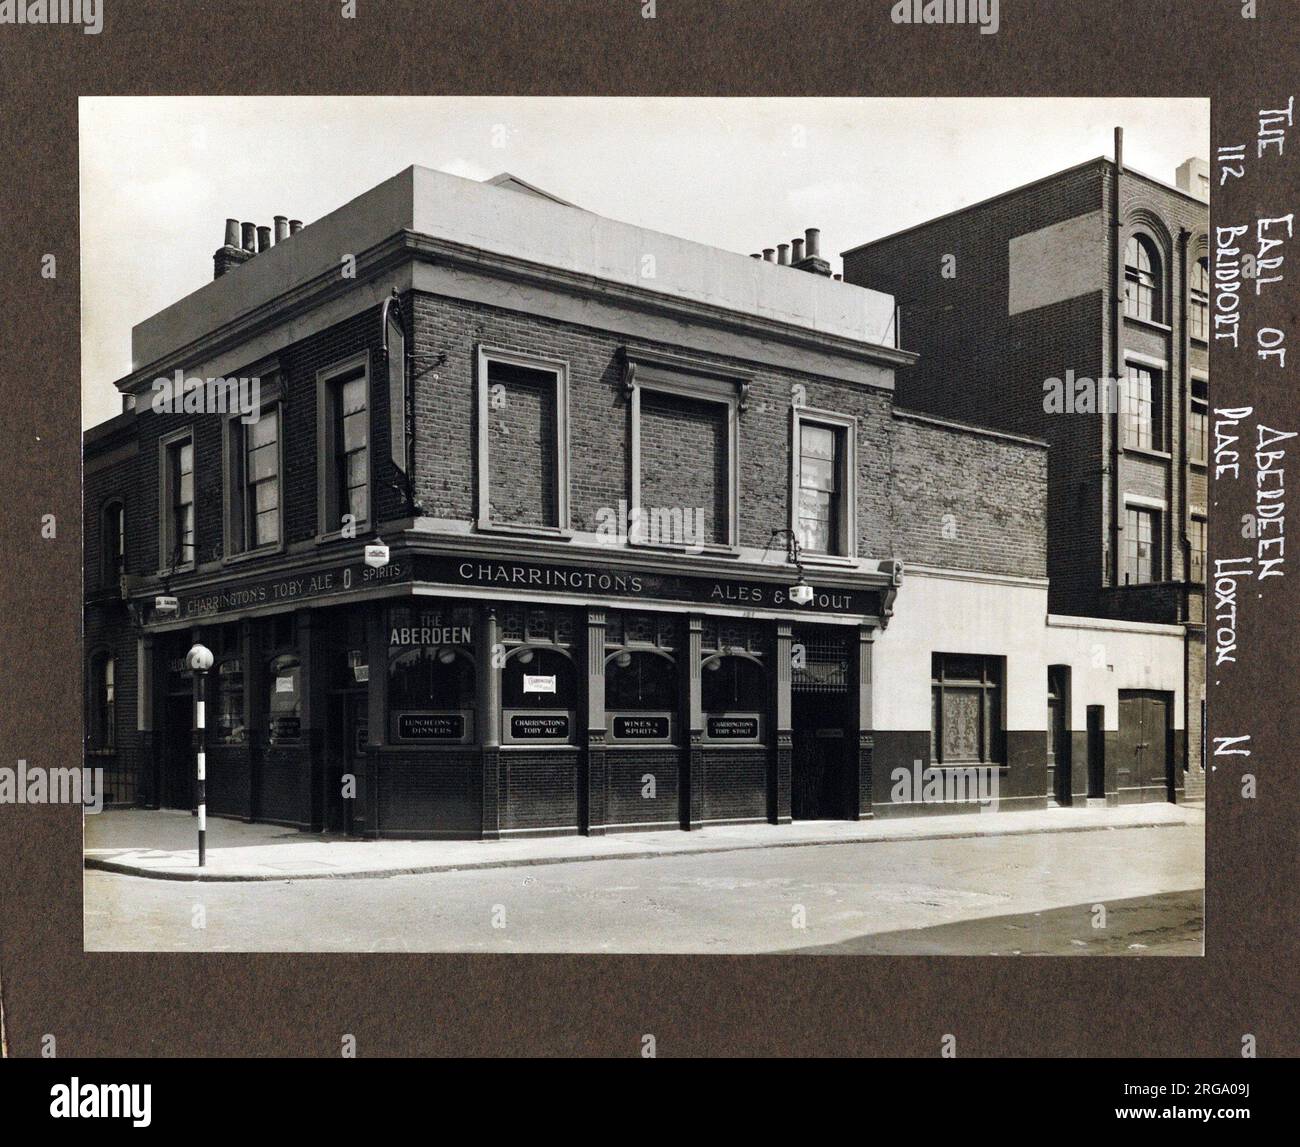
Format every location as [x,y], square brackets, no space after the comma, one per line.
[162,845]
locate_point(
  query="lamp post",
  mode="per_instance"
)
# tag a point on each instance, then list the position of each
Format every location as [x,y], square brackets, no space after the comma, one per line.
[801,593]
[199,660]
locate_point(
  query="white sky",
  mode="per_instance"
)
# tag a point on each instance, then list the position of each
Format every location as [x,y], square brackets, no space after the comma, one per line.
[160,175]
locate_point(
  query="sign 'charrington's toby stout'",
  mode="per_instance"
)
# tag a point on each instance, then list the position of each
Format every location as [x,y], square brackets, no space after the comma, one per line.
[479,396]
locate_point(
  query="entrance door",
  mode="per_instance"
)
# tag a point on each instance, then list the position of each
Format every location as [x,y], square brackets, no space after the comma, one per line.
[818,698]
[1096,751]
[348,731]
[1058,732]
[178,763]
[1144,742]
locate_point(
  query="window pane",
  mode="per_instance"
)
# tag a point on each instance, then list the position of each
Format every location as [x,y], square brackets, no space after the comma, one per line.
[356,468]
[357,503]
[266,496]
[267,528]
[353,396]
[262,463]
[354,432]
[263,431]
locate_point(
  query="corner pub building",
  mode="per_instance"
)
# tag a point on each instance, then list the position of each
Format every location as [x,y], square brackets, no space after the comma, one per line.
[601,458]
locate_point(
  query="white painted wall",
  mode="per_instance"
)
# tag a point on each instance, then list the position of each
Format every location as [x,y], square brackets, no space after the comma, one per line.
[954,612]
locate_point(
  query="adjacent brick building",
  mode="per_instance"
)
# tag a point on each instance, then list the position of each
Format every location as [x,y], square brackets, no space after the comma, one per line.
[661,549]
[1019,307]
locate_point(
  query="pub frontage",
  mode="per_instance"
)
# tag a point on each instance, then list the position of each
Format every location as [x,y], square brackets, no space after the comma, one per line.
[514,539]
[466,704]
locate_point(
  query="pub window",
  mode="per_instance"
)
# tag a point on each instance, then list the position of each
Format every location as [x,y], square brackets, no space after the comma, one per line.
[255,481]
[431,693]
[1198,304]
[284,710]
[1142,408]
[1198,422]
[966,710]
[230,701]
[178,540]
[640,696]
[113,541]
[1141,278]
[824,494]
[685,471]
[734,690]
[343,445]
[539,696]
[103,724]
[1196,536]
[1141,545]
[522,442]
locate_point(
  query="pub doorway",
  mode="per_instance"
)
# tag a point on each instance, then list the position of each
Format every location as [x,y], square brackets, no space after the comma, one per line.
[349,729]
[178,762]
[819,693]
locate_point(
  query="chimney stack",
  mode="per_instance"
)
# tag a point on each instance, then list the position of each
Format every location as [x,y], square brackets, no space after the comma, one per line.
[295,225]
[796,250]
[231,254]
[249,240]
[281,228]
[263,239]
[783,254]
[769,255]
[810,259]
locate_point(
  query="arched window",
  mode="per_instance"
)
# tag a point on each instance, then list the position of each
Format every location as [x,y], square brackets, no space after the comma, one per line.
[103,723]
[431,694]
[734,692]
[539,694]
[640,696]
[1198,304]
[112,540]
[1141,278]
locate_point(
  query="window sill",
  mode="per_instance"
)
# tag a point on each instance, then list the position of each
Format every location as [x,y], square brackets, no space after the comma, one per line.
[712,549]
[561,532]
[811,561]
[188,567]
[359,536]
[253,555]
[1151,324]
[1148,452]
[1197,340]
[1198,463]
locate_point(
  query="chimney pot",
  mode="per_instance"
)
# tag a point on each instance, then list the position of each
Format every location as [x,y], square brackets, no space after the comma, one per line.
[796,250]
[756,255]
[263,239]
[813,236]
[232,233]
[295,225]
[249,242]
[769,256]
[783,254]
[281,228]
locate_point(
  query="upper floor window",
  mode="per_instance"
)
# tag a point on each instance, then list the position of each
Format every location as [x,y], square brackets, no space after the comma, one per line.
[824,494]
[254,499]
[1198,422]
[178,533]
[1196,536]
[343,446]
[1141,545]
[1141,426]
[522,442]
[684,433]
[1198,304]
[113,541]
[1141,278]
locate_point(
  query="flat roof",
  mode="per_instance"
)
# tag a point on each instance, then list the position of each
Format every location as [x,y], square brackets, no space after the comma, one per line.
[531,227]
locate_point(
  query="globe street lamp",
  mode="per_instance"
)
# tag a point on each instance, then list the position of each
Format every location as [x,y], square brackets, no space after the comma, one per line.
[199,660]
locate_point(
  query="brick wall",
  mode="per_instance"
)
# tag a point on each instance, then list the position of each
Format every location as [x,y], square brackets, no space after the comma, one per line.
[684,460]
[521,432]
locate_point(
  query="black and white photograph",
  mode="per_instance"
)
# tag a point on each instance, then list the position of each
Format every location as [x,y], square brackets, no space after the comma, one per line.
[645,525]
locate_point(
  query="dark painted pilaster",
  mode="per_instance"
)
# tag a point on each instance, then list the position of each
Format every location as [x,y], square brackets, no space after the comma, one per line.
[778,789]
[311,654]
[593,794]
[691,785]
[376,710]
[489,722]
